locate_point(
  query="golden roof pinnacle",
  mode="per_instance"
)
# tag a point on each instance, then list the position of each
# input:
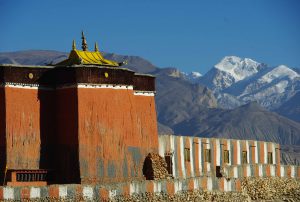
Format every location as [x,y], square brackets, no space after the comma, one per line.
[96,47]
[85,57]
[84,43]
[73,45]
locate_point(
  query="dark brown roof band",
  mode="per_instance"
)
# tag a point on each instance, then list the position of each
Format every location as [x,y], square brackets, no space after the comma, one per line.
[59,76]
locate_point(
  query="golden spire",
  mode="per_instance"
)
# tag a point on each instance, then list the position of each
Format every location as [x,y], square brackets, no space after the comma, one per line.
[96,47]
[74,45]
[84,44]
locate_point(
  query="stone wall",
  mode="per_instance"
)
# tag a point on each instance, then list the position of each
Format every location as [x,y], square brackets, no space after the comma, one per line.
[261,170]
[201,188]
[109,191]
[189,157]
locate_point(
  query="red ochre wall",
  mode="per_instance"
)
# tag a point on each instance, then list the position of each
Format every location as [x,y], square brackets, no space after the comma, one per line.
[79,134]
[22,128]
[146,122]
[98,135]
[28,127]
[2,134]
[116,131]
[65,150]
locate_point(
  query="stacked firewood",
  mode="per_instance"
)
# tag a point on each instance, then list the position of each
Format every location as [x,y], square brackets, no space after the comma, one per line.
[155,167]
[272,188]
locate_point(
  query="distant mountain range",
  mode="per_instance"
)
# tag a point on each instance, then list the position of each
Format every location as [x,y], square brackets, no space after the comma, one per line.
[225,102]
[237,81]
[250,121]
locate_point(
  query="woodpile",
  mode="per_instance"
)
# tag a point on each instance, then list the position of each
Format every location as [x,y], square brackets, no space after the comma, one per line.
[272,188]
[196,195]
[155,167]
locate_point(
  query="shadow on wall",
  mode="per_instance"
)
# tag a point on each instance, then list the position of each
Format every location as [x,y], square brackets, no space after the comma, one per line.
[147,169]
[2,135]
[59,132]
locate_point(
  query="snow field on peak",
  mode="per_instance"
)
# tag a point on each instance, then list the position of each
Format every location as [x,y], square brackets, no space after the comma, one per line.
[278,72]
[195,74]
[237,67]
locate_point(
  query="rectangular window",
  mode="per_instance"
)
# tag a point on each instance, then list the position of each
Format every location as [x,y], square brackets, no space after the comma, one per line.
[168,159]
[187,154]
[270,158]
[244,157]
[207,155]
[226,156]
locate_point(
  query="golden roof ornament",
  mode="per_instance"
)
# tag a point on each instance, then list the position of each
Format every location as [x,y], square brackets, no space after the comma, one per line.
[73,45]
[85,57]
[84,43]
[96,47]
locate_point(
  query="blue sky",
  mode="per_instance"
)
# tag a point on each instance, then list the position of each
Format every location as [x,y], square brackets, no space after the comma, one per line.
[190,35]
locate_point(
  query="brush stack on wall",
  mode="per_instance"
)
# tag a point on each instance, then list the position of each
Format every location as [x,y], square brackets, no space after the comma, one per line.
[155,167]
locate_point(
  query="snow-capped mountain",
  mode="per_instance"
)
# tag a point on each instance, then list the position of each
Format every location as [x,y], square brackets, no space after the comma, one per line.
[237,81]
[230,70]
[272,88]
[237,67]
[193,77]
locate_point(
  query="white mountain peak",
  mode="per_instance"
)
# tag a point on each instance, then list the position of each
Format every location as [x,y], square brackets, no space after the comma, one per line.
[192,76]
[238,68]
[280,71]
[247,80]
[195,74]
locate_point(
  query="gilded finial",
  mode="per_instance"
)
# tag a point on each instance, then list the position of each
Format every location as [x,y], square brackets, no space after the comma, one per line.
[96,47]
[84,44]
[74,45]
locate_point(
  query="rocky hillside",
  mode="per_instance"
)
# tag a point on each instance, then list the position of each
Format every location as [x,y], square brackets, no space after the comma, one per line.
[290,154]
[32,57]
[249,121]
[291,108]
[178,100]
[135,63]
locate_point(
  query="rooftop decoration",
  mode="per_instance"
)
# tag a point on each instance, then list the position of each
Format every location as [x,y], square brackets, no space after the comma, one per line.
[86,57]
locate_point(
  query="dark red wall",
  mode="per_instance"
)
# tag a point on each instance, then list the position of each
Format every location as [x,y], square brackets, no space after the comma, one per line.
[2,134]
[83,135]
[116,131]
[66,143]
[22,128]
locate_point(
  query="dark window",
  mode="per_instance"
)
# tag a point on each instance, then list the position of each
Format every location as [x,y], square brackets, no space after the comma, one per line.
[207,155]
[218,171]
[168,159]
[226,156]
[187,156]
[270,158]
[244,157]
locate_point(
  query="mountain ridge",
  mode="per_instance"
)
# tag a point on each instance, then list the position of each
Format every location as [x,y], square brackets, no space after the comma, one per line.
[257,123]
